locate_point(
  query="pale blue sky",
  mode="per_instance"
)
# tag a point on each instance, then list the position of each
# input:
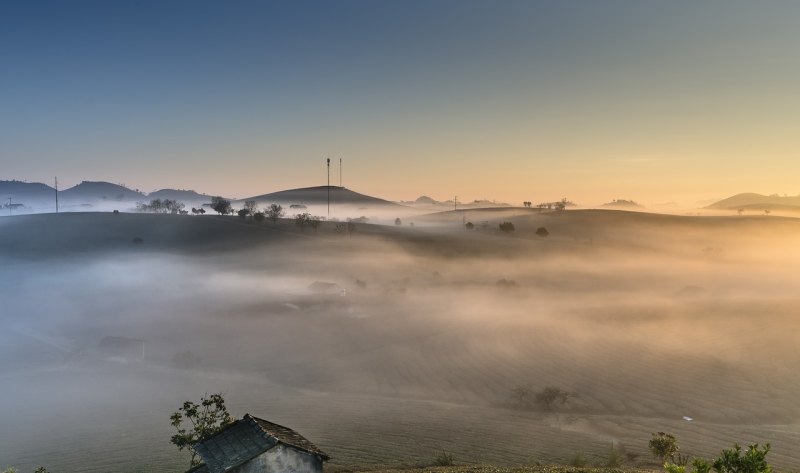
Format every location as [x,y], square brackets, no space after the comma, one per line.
[653,101]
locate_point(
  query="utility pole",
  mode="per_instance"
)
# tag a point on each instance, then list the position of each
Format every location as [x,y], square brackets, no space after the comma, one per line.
[56,194]
[329,188]
[340,172]
[9,206]
[455,203]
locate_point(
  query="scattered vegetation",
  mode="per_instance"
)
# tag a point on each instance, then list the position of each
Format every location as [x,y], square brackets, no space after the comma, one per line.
[542,232]
[259,216]
[398,222]
[195,422]
[526,204]
[469,225]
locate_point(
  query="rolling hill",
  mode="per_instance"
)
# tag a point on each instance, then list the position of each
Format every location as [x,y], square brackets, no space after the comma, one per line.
[319,196]
[753,201]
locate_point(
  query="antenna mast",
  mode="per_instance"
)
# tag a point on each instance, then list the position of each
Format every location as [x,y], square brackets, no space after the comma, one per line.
[329,188]
[56,194]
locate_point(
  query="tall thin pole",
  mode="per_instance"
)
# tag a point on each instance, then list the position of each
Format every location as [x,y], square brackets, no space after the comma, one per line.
[9,206]
[455,203]
[329,188]
[56,194]
[340,172]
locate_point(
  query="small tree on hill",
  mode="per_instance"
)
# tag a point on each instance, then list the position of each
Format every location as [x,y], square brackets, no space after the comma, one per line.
[506,227]
[469,225]
[550,397]
[542,232]
[398,222]
[196,422]
[663,446]
[250,206]
[221,206]
[274,212]
[243,213]
[259,216]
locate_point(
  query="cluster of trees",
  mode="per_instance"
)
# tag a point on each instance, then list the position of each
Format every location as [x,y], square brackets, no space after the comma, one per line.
[664,447]
[547,400]
[306,219]
[200,211]
[159,206]
[506,227]
[560,205]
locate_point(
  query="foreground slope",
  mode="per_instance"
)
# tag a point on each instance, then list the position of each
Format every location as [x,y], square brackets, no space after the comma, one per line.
[644,318]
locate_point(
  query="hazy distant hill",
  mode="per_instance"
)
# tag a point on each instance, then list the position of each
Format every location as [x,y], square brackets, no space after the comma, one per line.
[319,196]
[99,190]
[755,201]
[22,191]
[179,195]
[623,204]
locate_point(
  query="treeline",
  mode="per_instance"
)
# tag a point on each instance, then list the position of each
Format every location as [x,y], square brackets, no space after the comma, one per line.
[162,206]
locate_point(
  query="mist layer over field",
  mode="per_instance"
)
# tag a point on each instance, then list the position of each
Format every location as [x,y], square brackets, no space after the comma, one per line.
[418,346]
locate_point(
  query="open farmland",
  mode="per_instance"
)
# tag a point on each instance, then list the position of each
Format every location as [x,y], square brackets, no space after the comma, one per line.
[645,318]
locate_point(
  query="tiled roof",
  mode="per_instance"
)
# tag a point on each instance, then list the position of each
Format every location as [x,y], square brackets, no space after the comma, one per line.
[246,439]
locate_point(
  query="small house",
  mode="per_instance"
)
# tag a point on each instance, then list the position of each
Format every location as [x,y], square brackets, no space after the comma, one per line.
[253,445]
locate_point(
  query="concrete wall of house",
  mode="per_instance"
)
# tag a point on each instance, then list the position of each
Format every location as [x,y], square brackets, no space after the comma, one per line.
[282,459]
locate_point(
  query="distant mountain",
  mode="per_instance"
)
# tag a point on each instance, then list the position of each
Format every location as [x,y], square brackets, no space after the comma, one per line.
[424,199]
[319,196]
[99,190]
[623,204]
[758,202]
[22,192]
[179,195]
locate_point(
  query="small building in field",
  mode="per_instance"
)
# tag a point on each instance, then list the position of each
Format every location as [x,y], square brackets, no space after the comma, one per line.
[253,445]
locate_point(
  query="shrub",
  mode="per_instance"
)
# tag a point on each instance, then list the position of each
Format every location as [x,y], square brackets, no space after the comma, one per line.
[444,459]
[506,227]
[673,468]
[663,446]
[579,460]
[243,213]
[259,216]
[542,232]
[469,225]
[754,460]
[615,457]
[398,222]
[701,465]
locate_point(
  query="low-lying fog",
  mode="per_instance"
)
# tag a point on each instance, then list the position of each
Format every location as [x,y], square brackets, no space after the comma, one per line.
[414,344]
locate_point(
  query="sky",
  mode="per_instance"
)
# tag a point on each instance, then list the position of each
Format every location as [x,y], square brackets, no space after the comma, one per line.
[657,102]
